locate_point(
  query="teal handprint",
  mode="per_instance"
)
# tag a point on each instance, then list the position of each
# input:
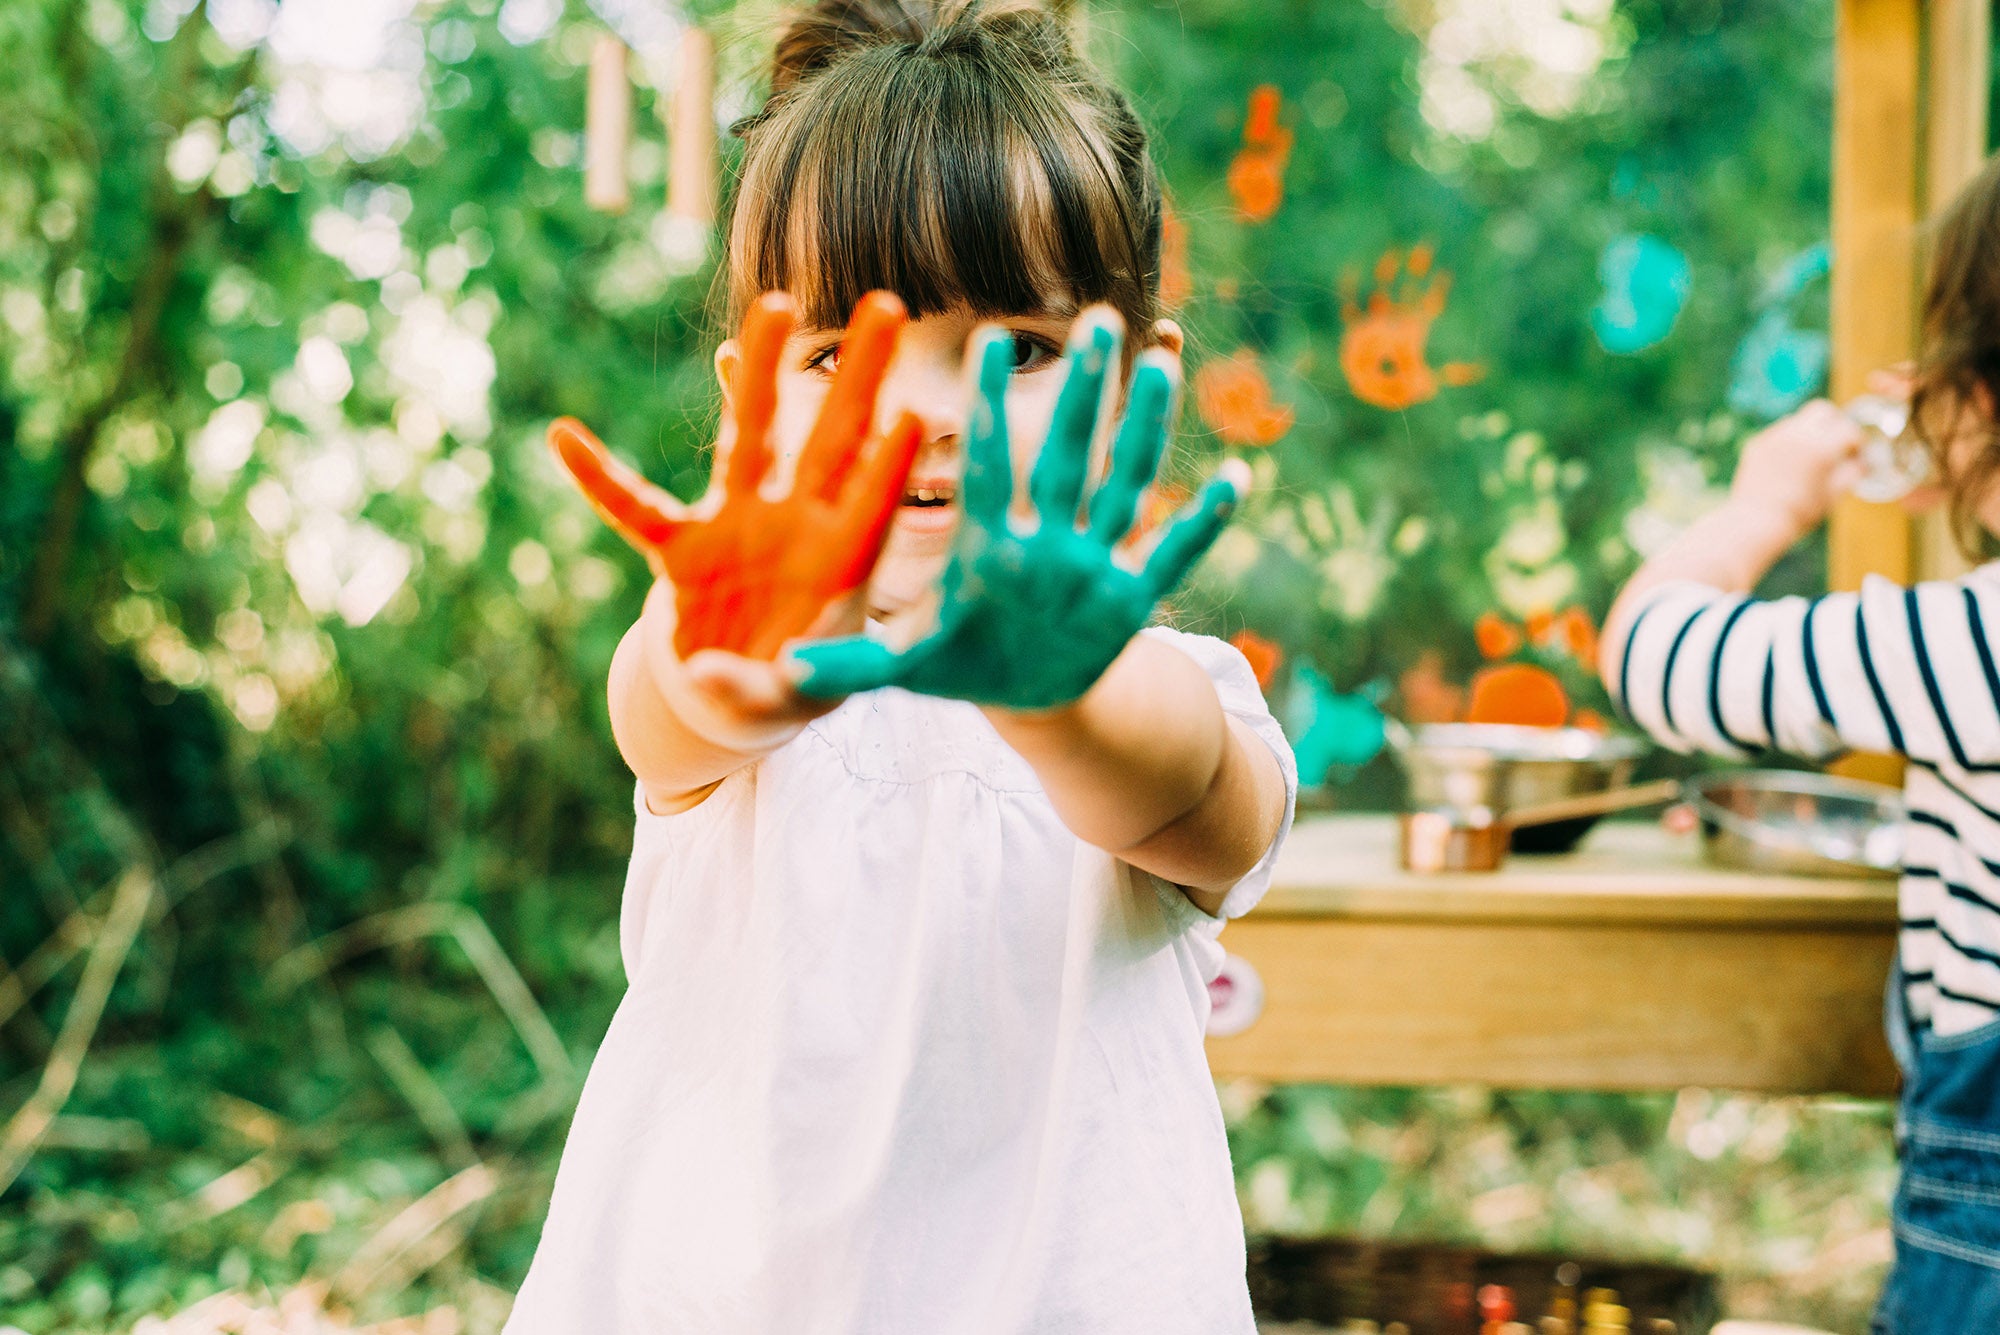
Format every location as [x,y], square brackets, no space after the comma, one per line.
[1029,620]
[1646,285]
[1331,731]
[1780,365]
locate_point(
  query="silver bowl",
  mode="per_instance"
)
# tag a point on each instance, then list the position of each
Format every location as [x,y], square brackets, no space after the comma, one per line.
[1800,824]
[1481,771]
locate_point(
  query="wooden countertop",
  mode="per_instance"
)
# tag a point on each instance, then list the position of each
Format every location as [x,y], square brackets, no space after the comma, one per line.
[1630,964]
[1346,866]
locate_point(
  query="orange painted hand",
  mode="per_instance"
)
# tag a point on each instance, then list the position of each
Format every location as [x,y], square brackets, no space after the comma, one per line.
[1383,348]
[1257,173]
[1234,397]
[752,568]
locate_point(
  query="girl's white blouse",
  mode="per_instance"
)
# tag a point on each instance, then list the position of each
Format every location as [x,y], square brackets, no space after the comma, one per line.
[900,1055]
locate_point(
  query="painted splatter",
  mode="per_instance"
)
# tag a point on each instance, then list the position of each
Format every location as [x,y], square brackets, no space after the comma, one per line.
[1329,730]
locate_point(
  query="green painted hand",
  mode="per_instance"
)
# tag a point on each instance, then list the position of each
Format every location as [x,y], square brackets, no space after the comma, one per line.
[1029,620]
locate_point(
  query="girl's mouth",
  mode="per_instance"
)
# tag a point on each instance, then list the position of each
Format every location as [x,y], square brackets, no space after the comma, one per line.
[930,497]
[930,505]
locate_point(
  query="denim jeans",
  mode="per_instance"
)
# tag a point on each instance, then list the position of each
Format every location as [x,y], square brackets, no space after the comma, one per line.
[1946,1277]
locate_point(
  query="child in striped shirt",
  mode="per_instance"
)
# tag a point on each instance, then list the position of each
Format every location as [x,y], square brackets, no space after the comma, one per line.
[1699,663]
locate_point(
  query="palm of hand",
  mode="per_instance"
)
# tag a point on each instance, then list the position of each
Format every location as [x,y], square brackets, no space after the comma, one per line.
[751,570]
[1030,620]
[760,572]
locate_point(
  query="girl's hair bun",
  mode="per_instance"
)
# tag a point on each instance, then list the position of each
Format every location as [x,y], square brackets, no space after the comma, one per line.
[823,32]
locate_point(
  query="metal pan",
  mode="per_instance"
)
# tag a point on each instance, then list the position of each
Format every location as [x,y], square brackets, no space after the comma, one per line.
[1780,822]
[1432,841]
[1800,824]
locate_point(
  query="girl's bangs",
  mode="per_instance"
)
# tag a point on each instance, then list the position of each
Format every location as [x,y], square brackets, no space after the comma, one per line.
[908,176]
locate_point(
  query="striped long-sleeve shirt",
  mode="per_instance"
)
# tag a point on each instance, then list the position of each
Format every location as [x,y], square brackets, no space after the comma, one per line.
[1914,671]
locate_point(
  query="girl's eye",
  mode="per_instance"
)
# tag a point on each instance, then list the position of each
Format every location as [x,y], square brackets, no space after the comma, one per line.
[1032,352]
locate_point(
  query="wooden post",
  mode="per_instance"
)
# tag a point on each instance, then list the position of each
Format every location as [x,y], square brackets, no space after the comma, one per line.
[691,183]
[607,128]
[1958,40]
[1877,203]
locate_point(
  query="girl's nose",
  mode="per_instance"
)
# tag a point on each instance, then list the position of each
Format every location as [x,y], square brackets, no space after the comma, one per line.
[929,389]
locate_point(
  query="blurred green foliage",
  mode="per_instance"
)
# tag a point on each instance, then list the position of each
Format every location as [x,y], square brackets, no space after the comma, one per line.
[299,624]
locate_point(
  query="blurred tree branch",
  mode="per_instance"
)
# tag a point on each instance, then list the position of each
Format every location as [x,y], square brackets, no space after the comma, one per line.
[175,219]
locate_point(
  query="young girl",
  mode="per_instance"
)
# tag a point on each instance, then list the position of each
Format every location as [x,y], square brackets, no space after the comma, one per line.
[912,1043]
[1699,663]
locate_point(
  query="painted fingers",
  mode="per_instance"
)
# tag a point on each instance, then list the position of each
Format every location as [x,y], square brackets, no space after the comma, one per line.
[847,666]
[1196,528]
[639,512]
[1057,483]
[743,454]
[847,417]
[1135,455]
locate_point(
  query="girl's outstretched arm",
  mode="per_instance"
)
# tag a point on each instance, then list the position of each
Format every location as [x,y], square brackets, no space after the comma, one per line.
[1146,765]
[694,691]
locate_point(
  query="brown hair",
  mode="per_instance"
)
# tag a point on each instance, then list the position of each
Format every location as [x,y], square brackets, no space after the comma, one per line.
[951,151]
[1958,375]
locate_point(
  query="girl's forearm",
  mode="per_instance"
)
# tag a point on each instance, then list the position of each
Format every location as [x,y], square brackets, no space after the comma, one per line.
[1730,548]
[1147,766]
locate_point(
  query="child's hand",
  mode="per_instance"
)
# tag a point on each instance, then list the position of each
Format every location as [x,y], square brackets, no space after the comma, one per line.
[1793,471]
[742,705]
[751,569]
[1031,620]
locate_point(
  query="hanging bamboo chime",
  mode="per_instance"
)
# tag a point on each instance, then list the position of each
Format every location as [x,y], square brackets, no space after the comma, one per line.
[607,128]
[691,181]
[688,119]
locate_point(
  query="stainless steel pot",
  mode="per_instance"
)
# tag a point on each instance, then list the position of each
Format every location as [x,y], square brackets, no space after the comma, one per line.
[1478,772]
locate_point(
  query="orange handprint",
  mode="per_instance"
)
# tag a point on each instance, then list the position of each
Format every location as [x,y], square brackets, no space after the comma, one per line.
[1234,398]
[1257,174]
[750,571]
[1262,655]
[1427,697]
[1382,349]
